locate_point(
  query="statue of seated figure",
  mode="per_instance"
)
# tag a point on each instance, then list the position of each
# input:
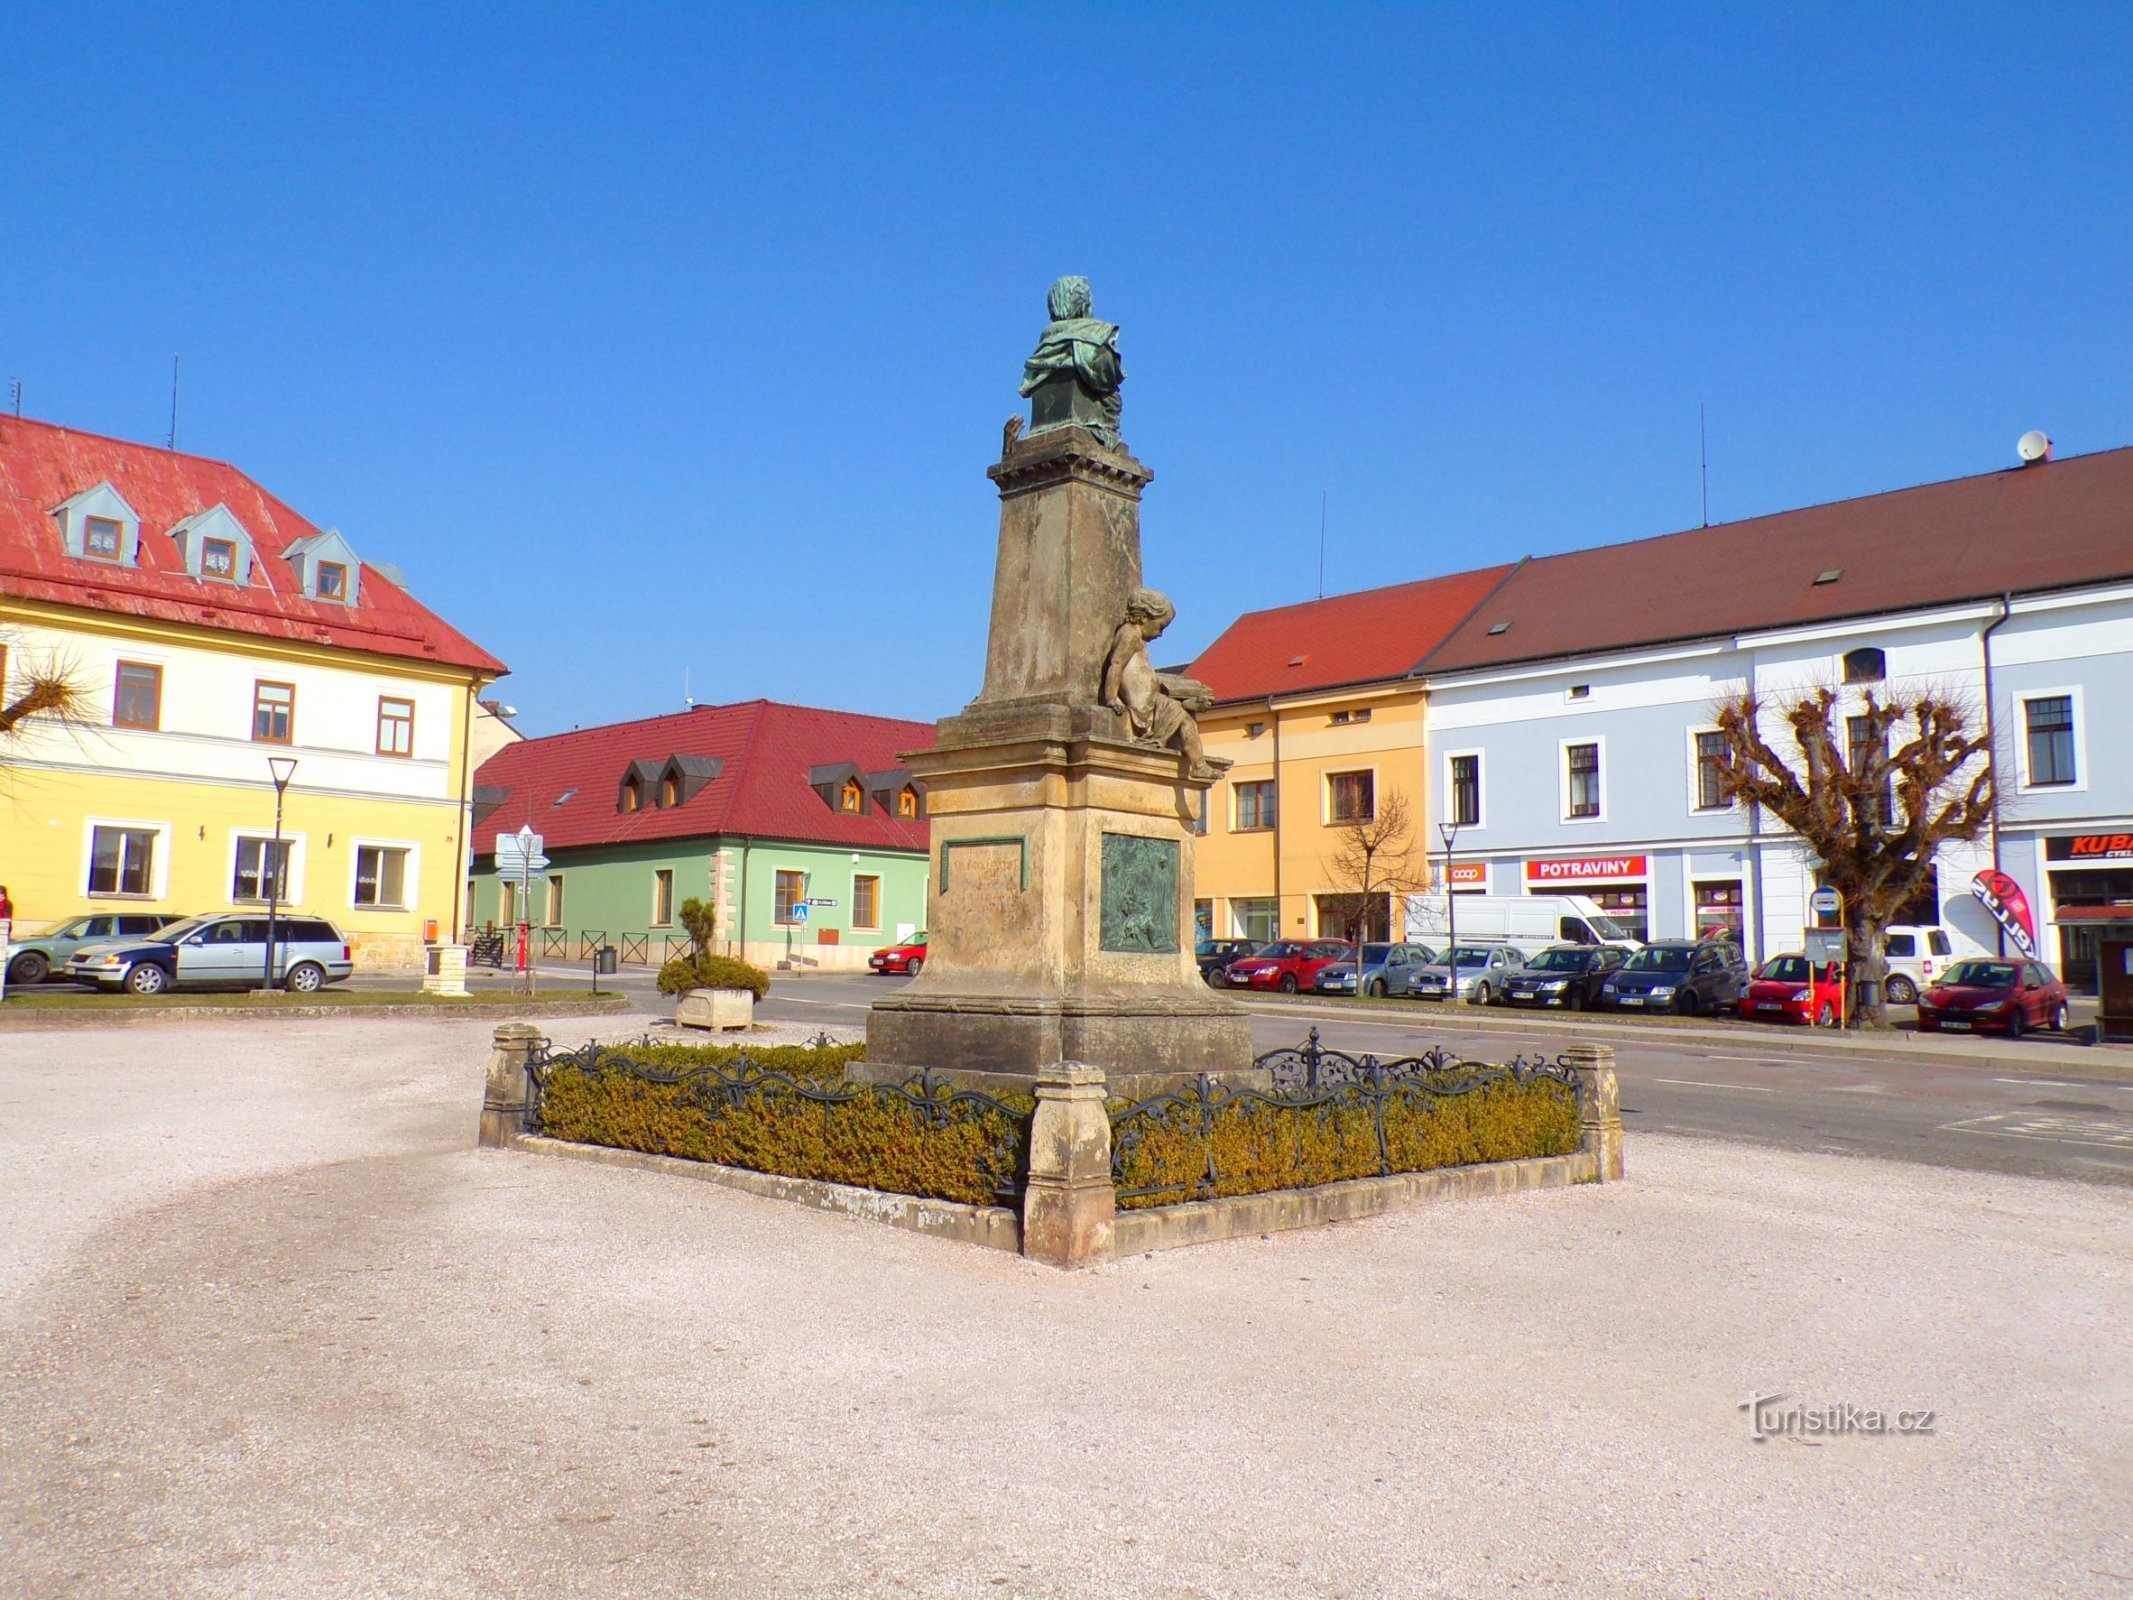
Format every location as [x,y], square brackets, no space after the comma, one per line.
[1157,707]
[1075,372]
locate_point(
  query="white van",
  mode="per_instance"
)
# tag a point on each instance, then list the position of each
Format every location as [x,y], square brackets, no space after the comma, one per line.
[1533,919]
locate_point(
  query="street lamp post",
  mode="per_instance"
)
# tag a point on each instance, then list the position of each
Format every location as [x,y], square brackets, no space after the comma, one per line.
[1449,832]
[283,768]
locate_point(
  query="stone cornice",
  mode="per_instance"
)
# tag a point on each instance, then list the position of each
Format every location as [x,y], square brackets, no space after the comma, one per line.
[1066,454]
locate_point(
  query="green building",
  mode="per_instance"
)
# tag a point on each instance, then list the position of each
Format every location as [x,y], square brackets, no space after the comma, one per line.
[800,826]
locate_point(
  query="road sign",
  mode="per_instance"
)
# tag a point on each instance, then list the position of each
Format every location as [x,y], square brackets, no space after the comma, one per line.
[519,853]
[1826,903]
[825,904]
[1827,946]
[798,912]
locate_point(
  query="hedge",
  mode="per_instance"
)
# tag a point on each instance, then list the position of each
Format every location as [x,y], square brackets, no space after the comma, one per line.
[820,1064]
[1257,1145]
[700,969]
[941,1146]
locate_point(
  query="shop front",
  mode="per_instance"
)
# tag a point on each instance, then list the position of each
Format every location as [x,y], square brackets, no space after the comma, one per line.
[2090,877]
[1617,884]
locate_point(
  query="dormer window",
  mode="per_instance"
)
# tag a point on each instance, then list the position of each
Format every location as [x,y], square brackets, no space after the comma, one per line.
[218,558]
[96,524]
[332,580]
[326,568]
[214,546]
[103,539]
[907,803]
[669,791]
[632,796]
[851,797]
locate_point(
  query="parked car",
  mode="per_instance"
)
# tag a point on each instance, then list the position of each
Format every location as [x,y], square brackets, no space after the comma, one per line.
[1482,969]
[1287,964]
[36,958]
[1564,975]
[1385,969]
[1690,977]
[908,958]
[1790,988]
[1214,955]
[1914,955]
[217,953]
[1982,996]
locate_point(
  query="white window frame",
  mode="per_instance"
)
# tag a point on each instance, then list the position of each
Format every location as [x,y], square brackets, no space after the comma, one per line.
[1695,796]
[158,869]
[1562,779]
[2081,741]
[293,842]
[1481,789]
[412,884]
[1325,795]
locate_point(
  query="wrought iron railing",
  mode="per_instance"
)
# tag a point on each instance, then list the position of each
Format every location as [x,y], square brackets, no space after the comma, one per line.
[712,1090]
[1313,1116]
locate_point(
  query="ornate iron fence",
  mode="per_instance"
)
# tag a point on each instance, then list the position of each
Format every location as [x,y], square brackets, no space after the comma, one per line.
[1324,1119]
[932,1104]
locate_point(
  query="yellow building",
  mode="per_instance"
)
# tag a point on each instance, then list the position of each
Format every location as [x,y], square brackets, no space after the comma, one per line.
[1320,709]
[214,633]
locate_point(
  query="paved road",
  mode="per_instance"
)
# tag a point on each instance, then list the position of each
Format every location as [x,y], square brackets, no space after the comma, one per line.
[1763,1088]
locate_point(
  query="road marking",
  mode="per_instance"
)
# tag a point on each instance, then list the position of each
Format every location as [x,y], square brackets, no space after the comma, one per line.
[834,1005]
[2060,1083]
[1698,1083]
[2092,1131]
[1858,1088]
[1761,1061]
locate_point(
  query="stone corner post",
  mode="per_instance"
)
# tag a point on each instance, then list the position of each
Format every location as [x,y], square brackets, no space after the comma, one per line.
[1599,1106]
[509,1091]
[1068,1208]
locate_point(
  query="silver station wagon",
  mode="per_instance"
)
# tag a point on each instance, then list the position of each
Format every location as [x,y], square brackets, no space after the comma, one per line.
[228,952]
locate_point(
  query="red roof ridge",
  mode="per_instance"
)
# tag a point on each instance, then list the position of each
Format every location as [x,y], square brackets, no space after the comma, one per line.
[130,444]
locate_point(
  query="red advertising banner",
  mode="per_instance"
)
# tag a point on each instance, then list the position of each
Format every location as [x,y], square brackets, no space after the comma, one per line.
[2009,906]
[1585,869]
[1469,872]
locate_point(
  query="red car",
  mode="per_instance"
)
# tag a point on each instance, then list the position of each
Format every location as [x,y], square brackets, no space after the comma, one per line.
[1289,965]
[1788,989]
[1984,996]
[905,958]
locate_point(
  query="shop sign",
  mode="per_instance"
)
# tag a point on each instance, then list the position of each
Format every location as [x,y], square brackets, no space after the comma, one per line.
[2003,897]
[1469,872]
[1584,869]
[2089,847]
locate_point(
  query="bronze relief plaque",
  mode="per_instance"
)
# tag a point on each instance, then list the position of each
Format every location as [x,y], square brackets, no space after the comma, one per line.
[1140,895]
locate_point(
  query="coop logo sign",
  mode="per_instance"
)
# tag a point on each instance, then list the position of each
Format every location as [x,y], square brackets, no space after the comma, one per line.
[2090,847]
[1584,869]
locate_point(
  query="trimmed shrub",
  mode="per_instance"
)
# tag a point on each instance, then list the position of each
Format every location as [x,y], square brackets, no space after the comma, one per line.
[1257,1146]
[872,1138]
[824,1065]
[700,969]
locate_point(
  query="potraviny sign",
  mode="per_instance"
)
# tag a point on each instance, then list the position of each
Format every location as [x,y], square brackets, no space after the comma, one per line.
[1585,869]
[2003,897]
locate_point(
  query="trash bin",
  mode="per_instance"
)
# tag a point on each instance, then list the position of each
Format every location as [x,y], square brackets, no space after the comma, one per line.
[604,961]
[1869,994]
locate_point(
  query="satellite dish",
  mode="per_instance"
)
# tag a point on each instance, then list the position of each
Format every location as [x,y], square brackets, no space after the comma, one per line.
[2033,446]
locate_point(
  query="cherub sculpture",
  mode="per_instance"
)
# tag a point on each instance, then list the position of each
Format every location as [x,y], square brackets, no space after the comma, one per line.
[1157,707]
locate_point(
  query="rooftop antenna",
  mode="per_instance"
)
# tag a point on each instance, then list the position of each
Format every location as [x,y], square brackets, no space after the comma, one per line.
[14,393]
[688,701]
[1703,463]
[1322,544]
[174,400]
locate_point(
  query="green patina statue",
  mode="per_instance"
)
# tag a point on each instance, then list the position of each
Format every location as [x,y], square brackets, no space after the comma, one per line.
[1073,378]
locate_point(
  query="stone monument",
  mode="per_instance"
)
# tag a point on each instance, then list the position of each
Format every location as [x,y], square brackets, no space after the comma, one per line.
[1061,800]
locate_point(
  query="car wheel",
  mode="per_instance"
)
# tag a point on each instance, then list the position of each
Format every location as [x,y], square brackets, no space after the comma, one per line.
[1214,977]
[915,966]
[1288,983]
[145,977]
[1574,999]
[29,967]
[1827,1016]
[1377,988]
[1685,1004]
[1482,994]
[2058,1022]
[306,977]
[2014,1021]
[1902,992]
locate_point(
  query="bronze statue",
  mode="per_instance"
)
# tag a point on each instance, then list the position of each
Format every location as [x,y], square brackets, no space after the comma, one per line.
[1156,707]
[1075,366]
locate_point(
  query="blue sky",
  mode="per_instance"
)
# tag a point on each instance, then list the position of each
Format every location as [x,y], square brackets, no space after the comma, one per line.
[658,338]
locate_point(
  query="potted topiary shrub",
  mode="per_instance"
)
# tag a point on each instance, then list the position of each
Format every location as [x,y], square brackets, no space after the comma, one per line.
[711,991]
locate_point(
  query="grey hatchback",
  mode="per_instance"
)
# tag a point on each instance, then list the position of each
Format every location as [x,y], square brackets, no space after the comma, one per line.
[36,958]
[217,953]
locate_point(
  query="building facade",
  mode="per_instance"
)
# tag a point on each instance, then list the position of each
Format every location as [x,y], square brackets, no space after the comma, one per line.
[800,827]
[212,632]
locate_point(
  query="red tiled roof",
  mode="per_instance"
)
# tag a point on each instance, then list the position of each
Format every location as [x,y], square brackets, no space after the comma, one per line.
[42,465]
[2052,525]
[565,785]
[1349,638]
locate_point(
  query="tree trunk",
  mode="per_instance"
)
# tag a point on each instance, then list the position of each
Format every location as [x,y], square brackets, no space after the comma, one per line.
[1867,966]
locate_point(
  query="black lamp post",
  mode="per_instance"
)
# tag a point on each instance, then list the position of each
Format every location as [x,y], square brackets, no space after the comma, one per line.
[1449,833]
[283,768]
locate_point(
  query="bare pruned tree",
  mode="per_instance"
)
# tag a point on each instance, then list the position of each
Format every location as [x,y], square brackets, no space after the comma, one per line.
[51,691]
[1875,790]
[1373,857]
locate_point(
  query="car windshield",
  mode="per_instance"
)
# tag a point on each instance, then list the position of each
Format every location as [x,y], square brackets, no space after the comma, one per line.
[1279,952]
[1981,975]
[66,930]
[1330,952]
[1658,958]
[1608,928]
[1785,969]
[1560,961]
[1375,953]
[172,932]
[1467,955]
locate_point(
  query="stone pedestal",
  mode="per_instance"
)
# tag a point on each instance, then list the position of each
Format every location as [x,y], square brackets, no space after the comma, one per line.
[447,970]
[1059,915]
[509,1089]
